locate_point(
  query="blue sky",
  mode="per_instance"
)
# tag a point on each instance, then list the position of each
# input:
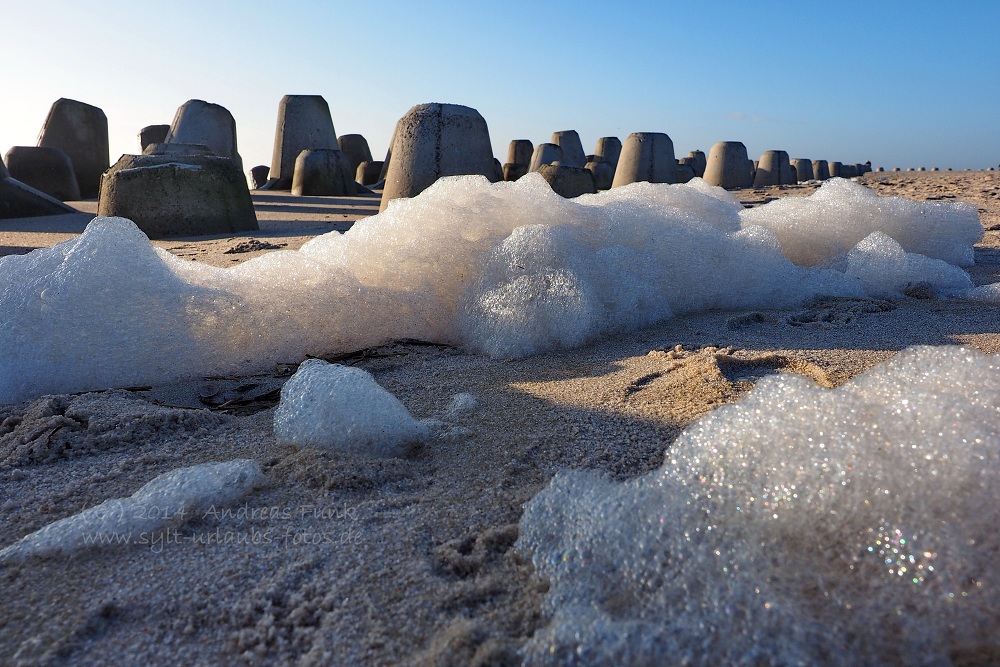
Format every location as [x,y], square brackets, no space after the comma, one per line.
[905,84]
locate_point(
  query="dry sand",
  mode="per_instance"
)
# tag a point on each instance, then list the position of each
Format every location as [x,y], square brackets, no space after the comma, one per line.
[414,563]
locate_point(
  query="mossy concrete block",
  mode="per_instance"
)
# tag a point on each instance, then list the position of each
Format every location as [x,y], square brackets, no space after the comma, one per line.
[545,154]
[646,156]
[152,134]
[168,195]
[304,122]
[48,170]
[609,148]
[207,124]
[728,166]
[572,147]
[436,140]
[323,172]
[81,131]
[568,181]
[773,169]
[821,170]
[355,147]
[803,169]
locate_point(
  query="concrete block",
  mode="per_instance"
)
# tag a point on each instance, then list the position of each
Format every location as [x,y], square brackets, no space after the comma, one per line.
[178,149]
[646,156]
[772,169]
[572,147]
[685,172]
[323,172]
[603,171]
[803,169]
[203,123]
[700,161]
[435,140]
[512,172]
[152,134]
[609,148]
[355,147]
[368,173]
[304,122]
[81,131]
[520,152]
[545,154]
[169,195]
[728,166]
[258,176]
[821,170]
[18,200]
[48,170]
[836,169]
[568,181]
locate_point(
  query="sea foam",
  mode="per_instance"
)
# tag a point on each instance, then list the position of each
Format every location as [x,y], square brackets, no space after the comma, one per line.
[800,525]
[506,269]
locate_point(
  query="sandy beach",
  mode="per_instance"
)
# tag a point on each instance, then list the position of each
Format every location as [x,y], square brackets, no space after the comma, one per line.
[340,558]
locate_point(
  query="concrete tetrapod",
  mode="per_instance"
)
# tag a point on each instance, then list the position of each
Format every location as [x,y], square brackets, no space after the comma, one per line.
[355,147]
[646,156]
[203,123]
[773,169]
[303,122]
[323,172]
[603,171]
[728,165]
[518,159]
[803,169]
[81,131]
[18,200]
[545,154]
[172,195]
[152,134]
[435,140]
[821,170]
[610,149]
[568,181]
[48,170]
[572,147]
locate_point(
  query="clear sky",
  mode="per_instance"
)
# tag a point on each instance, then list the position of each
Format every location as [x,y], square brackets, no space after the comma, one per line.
[906,83]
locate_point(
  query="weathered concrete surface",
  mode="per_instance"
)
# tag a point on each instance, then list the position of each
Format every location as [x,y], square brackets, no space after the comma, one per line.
[323,172]
[646,156]
[81,131]
[304,122]
[568,181]
[728,165]
[48,170]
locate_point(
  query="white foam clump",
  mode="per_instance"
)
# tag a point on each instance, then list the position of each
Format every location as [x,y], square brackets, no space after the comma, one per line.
[508,269]
[343,408]
[800,525]
[167,500]
[824,226]
[885,269]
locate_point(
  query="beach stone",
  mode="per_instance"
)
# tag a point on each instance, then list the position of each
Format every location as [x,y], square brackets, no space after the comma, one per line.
[258,176]
[610,149]
[646,156]
[545,154]
[152,134]
[18,200]
[323,172]
[435,140]
[81,131]
[168,195]
[821,170]
[700,162]
[48,170]
[304,122]
[368,173]
[685,172]
[603,171]
[568,181]
[355,147]
[773,169]
[204,123]
[572,147]
[803,169]
[728,166]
